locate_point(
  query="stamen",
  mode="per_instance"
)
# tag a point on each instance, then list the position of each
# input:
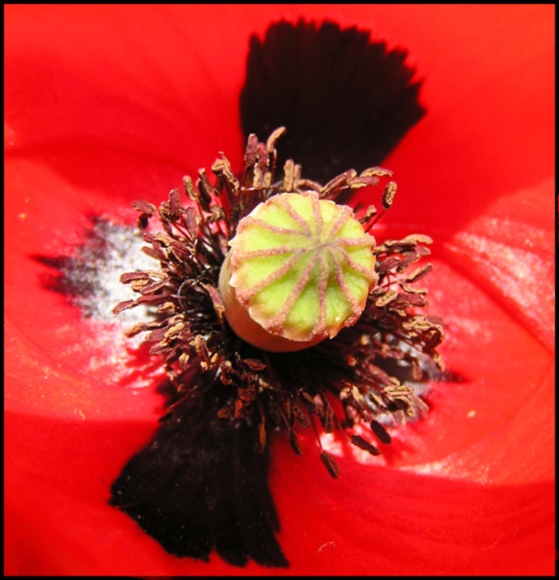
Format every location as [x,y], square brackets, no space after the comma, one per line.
[233,390]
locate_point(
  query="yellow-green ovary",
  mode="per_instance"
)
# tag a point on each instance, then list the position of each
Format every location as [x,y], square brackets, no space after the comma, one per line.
[294,233]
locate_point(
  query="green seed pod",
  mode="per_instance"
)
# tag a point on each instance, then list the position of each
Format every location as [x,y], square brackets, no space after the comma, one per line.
[299,270]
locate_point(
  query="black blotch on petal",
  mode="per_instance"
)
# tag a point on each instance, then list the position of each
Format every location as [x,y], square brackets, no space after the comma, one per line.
[76,274]
[88,275]
[200,485]
[346,101]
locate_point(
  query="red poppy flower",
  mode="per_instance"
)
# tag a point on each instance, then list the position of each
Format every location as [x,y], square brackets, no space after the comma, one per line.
[105,105]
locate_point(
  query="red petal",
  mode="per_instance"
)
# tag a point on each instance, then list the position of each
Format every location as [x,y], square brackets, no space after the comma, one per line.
[109,104]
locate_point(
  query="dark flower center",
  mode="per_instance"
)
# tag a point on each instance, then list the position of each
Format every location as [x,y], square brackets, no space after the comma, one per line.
[201,483]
